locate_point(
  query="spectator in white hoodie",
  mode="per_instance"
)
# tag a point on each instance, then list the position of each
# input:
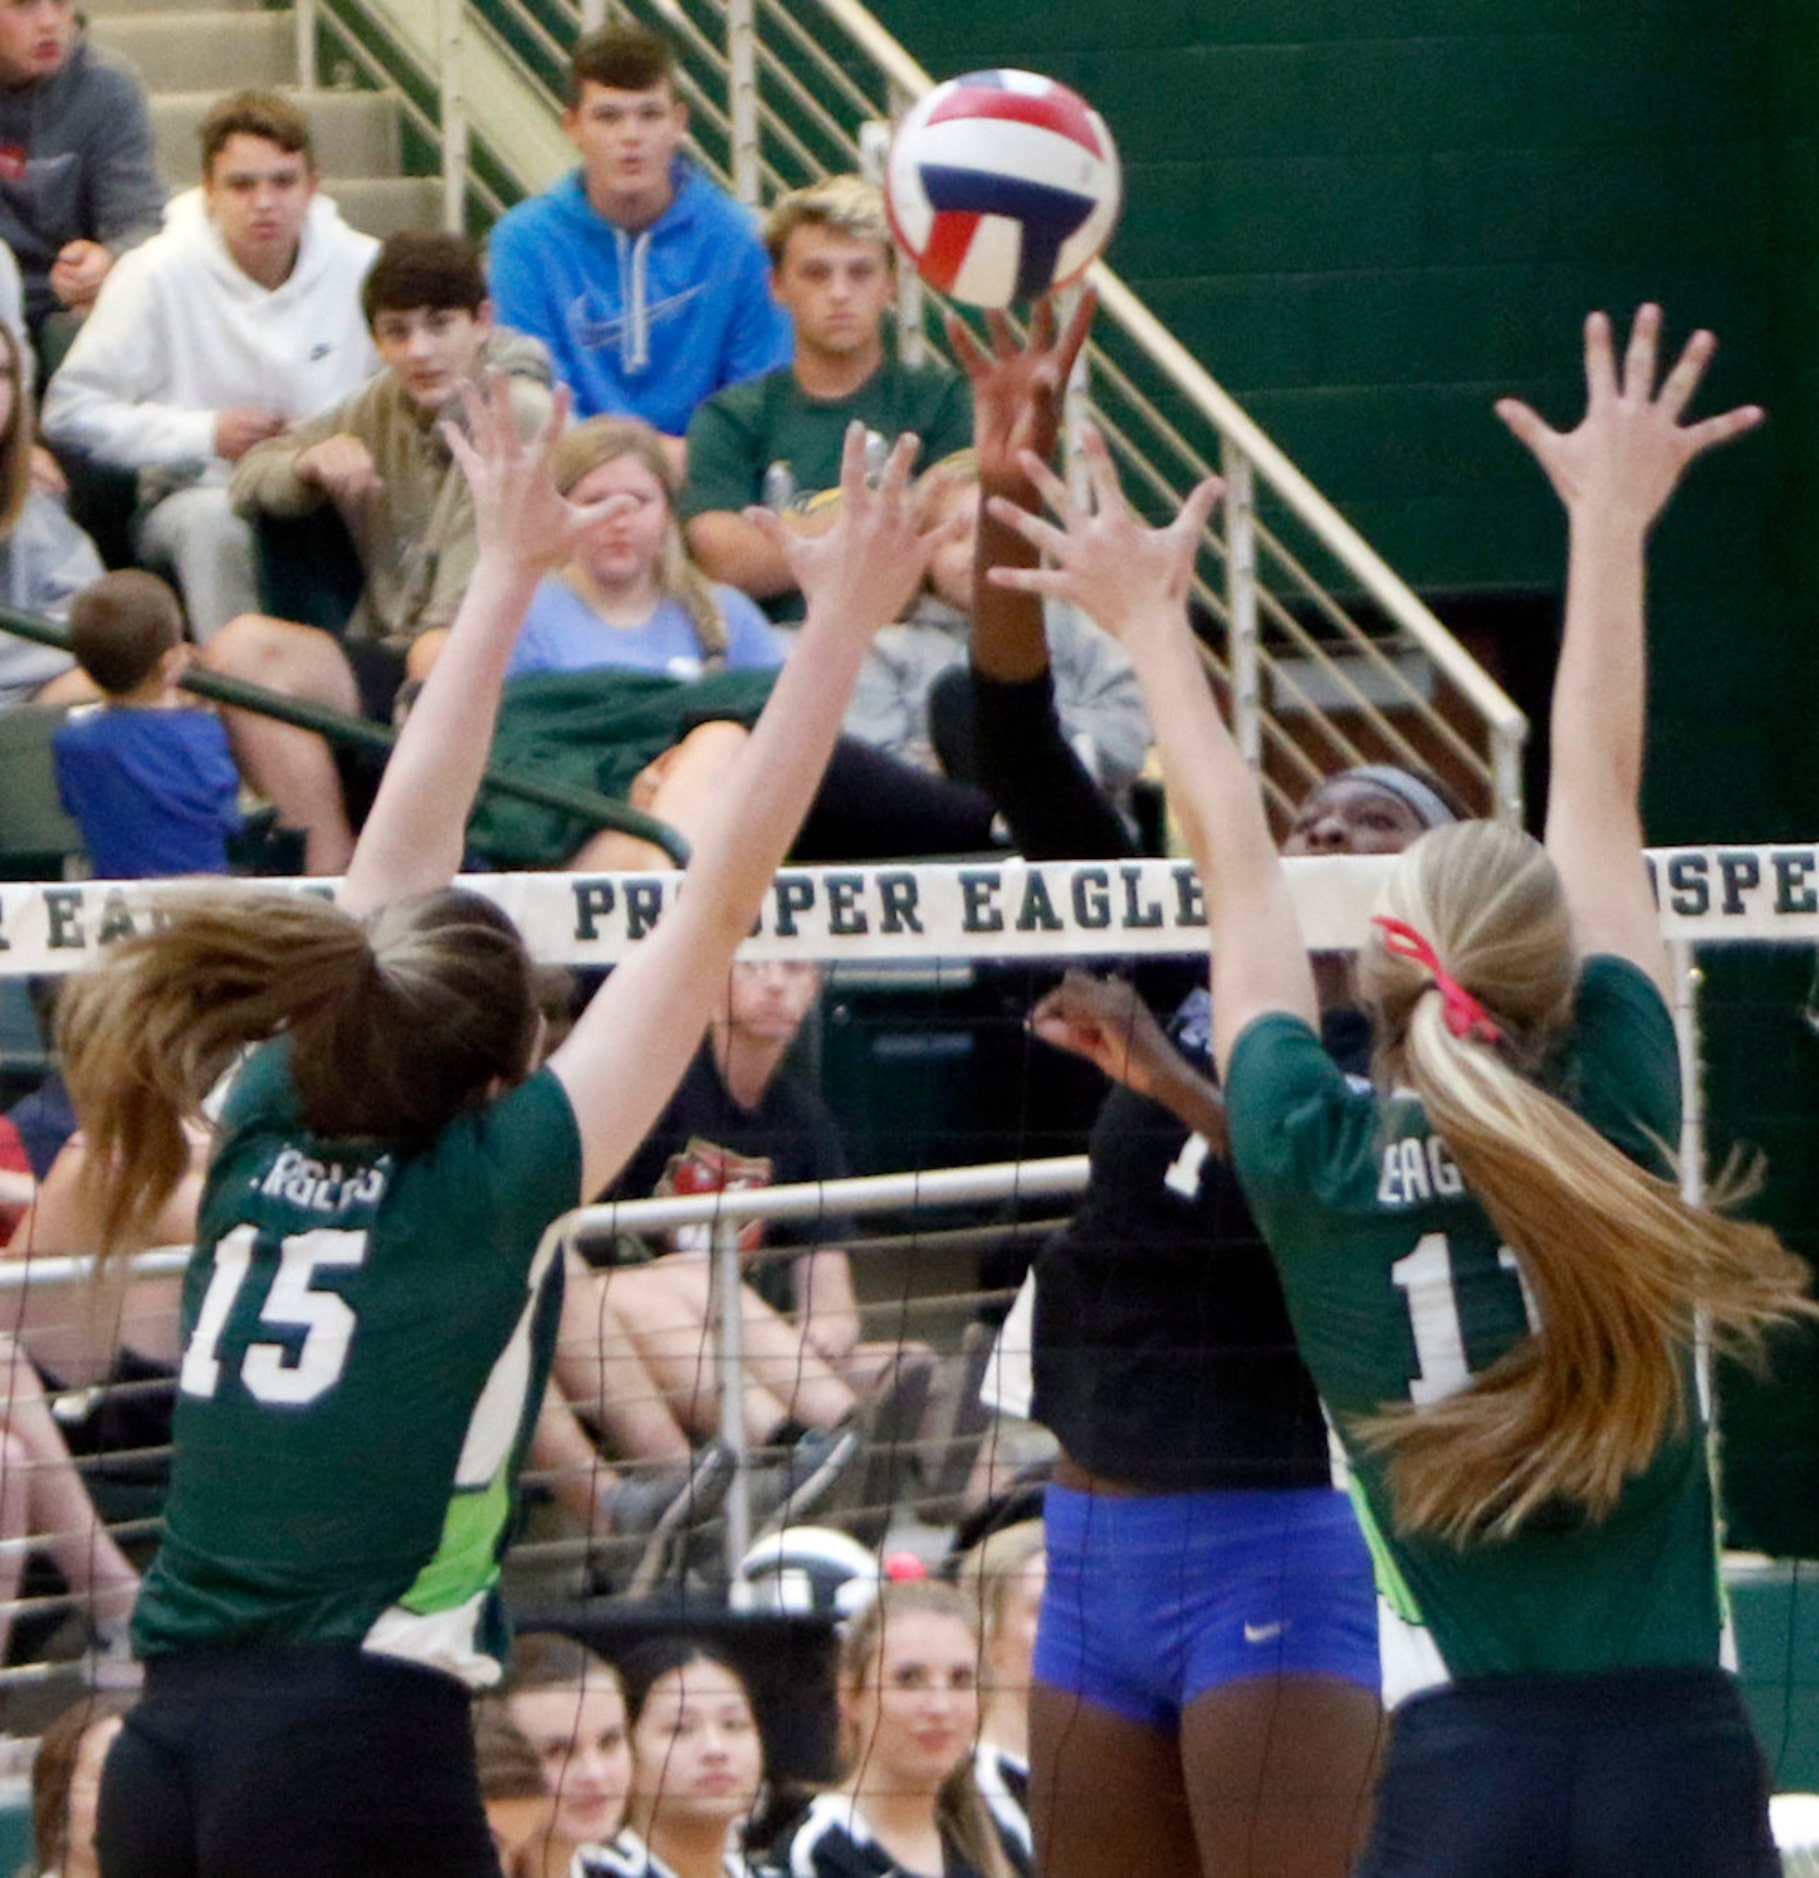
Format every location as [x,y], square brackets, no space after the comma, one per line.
[240,318]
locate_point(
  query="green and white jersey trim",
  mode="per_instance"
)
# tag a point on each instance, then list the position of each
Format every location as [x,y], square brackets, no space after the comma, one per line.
[437,1621]
[1409,1660]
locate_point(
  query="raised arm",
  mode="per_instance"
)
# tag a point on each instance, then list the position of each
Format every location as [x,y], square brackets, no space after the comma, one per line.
[1105,1021]
[1017,395]
[628,1050]
[1614,474]
[413,839]
[1133,580]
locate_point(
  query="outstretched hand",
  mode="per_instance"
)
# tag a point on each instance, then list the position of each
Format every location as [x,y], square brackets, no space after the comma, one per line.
[1104,1020]
[865,567]
[519,517]
[1630,448]
[1018,389]
[1104,559]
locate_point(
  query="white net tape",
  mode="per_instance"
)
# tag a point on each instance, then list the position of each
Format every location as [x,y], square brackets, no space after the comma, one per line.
[984,911]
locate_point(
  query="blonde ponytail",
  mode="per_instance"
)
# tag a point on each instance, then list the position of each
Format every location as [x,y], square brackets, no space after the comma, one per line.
[394,1029]
[1618,1264]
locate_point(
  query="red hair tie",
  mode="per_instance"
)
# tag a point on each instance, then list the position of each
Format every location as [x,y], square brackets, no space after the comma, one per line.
[1465,1016]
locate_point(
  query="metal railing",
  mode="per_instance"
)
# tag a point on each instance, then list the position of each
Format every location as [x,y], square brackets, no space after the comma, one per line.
[1325,656]
[346,731]
[911,1194]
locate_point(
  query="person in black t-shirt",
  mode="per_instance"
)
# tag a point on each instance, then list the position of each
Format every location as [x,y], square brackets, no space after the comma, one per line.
[741,1118]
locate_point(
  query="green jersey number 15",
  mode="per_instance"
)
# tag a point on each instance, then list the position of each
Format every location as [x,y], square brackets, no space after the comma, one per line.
[269,1370]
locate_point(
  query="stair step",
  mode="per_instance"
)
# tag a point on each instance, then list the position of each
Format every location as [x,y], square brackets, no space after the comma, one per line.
[191,51]
[391,207]
[355,133]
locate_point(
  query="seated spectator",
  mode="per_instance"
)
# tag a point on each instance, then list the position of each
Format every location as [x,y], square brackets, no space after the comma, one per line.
[1004,1575]
[645,282]
[45,559]
[776,440]
[109,1356]
[146,774]
[911,700]
[639,586]
[697,1768]
[66,1785]
[77,1341]
[520,1807]
[740,1119]
[378,460]
[80,185]
[908,1684]
[240,318]
[45,1506]
[637,605]
[570,1705]
[635,676]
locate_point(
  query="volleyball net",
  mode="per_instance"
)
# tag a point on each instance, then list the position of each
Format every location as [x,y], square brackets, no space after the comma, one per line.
[966,1137]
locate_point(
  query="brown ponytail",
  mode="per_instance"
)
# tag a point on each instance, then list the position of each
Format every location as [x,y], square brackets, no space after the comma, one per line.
[395,1028]
[1618,1263]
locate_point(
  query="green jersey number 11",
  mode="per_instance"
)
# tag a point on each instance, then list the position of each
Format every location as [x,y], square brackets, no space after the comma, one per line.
[268,1370]
[1425,1279]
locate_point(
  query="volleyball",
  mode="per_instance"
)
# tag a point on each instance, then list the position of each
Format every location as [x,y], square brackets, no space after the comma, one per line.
[1002,185]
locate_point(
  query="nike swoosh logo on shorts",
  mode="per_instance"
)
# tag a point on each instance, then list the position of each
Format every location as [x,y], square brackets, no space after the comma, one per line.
[1264,1633]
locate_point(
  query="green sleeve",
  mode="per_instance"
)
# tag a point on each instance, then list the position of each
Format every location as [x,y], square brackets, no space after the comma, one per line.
[1285,1102]
[522,1155]
[1623,1065]
[950,424]
[723,468]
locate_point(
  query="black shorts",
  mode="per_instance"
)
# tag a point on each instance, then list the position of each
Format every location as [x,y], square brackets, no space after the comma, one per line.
[1649,1773]
[378,675]
[304,1763]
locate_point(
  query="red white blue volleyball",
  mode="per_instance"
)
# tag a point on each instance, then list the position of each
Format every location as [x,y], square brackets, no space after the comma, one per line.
[1002,185]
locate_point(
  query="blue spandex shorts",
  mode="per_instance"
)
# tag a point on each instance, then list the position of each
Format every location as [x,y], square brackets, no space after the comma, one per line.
[1151,1601]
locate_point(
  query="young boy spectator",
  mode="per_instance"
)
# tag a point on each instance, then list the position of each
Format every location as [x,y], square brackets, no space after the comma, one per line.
[242,316]
[380,459]
[78,184]
[777,439]
[645,282]
[144,774]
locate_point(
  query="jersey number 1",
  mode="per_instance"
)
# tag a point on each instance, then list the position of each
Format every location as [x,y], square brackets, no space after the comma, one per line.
[326,1320]
[1425,1279]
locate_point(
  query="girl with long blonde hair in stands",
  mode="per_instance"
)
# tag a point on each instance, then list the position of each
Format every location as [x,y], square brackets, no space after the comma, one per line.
[1491,1270]
[369,1310]
[908,1684]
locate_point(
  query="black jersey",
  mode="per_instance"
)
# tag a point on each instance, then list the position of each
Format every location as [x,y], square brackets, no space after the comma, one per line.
[705,1142]
[628,1856]
[834,1841]
[1163,1354]
[1003,1780]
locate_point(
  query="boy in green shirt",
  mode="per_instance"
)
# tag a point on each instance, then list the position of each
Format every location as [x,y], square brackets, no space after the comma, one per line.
[776,440]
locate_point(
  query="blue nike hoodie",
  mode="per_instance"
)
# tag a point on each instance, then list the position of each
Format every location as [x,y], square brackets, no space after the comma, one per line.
[646,324]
